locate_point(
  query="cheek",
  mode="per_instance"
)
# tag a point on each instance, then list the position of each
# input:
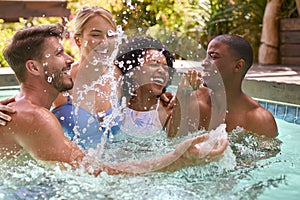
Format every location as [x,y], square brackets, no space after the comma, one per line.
[89,43]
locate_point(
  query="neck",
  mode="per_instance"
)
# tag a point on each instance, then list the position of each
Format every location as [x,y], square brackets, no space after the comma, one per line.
[143,102]
[233,95]
[38,95]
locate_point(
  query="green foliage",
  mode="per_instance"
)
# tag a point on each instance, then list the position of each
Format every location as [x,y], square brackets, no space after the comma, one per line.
[198,20]
[241,17]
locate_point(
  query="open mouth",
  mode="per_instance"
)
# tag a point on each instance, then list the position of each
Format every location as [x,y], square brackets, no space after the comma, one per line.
[101,51]
[67,72]
[158,80]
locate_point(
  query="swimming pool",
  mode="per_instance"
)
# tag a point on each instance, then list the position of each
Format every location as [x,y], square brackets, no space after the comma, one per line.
[8,91]
[274,173]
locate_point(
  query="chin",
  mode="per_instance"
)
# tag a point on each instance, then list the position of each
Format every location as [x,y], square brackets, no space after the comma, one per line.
[67,86]
[157,92]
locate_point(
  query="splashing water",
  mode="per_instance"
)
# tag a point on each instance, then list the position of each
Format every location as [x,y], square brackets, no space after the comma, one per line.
[49,79]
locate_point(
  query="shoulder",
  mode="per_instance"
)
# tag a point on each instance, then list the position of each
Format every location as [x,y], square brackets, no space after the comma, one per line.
[261,121]
[33,117]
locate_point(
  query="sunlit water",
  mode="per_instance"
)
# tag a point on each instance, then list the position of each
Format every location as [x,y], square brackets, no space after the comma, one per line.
[265,170]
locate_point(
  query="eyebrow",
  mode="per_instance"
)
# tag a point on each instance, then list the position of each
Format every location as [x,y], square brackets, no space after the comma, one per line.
[95,30]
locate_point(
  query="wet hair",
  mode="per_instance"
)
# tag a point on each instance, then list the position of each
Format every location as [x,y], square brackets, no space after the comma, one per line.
[240,47]
[28,44]
[86,13]
[131,53]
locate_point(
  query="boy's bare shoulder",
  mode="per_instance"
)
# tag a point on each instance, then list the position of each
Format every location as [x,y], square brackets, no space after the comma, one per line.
[262,122]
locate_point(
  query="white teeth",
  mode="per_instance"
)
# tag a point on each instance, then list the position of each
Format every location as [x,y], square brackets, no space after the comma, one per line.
[158,79]
[103,51]
[68,72]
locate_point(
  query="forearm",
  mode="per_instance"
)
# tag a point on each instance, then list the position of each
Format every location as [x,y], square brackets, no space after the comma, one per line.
[178,122]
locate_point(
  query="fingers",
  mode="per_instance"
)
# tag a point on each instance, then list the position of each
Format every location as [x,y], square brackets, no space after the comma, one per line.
[199,139]
[2,122]
[4,118]
[6,109]
[7,101]
[166,97]
[172,102]
[195,78]
[220,150]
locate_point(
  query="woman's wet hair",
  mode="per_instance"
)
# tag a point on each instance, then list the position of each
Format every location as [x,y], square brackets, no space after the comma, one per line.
[133,51]
[28,44]
[87,13]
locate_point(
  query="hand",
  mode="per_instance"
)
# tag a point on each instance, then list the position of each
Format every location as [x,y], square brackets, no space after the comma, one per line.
[168,99]
[184,88]
[192,155]
[5,109]
[195,78]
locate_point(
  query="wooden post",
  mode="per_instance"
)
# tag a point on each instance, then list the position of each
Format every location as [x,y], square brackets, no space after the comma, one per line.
[298,6]
[268,52]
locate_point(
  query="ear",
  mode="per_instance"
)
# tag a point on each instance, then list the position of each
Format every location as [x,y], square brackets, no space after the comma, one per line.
[77,41]
[33,67]
[239,66]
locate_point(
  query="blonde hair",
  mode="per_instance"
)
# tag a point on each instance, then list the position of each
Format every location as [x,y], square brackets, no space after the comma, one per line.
[86,13]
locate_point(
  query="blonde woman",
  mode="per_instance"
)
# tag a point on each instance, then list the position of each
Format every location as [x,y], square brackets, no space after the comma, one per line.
[92,36]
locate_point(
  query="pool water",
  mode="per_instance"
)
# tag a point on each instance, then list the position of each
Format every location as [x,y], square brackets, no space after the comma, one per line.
[271,176]
[8,91]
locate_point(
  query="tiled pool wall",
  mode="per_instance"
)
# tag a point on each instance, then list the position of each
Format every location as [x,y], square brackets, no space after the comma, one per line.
[287,112]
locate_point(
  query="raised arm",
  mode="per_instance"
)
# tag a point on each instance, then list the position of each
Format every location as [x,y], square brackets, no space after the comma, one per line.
[185,113]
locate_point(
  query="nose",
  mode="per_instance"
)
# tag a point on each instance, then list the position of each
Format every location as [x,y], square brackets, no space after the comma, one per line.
[162,68]
[69,59]
[206,62]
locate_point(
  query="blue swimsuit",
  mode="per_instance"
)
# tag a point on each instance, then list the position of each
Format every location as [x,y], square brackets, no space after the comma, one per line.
[82,128]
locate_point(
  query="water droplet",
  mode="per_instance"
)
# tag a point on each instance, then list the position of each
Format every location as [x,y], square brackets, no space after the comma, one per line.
[49,79]
[111,33]
[85,43]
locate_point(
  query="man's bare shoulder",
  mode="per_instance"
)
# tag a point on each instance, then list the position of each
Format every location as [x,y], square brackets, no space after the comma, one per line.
[28,123]
[29,117]
[261,121]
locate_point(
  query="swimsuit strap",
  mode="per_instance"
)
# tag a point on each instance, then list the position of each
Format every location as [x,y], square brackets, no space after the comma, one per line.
[69,99]
[157,105]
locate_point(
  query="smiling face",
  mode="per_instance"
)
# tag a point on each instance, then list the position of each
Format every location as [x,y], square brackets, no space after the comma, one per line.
[95,38]
[57,65]
[153,74]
